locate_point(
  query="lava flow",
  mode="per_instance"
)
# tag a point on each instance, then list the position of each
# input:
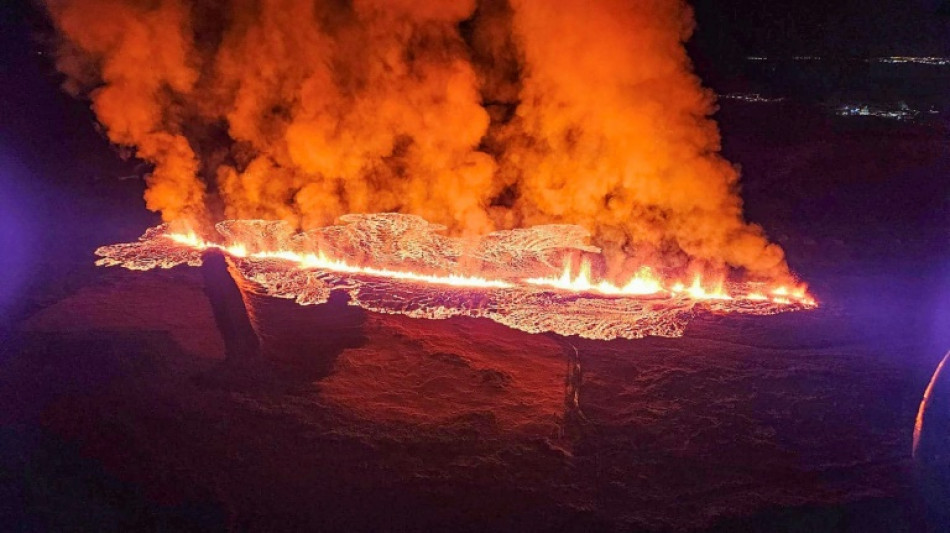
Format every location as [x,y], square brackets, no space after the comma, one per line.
[403,264]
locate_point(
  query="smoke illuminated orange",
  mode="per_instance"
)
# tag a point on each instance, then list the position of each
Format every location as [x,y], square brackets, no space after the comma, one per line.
[595,118]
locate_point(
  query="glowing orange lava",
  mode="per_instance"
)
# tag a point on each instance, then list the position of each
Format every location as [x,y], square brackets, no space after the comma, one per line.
[319,261]
[644,283]
[925,403]
[401,264]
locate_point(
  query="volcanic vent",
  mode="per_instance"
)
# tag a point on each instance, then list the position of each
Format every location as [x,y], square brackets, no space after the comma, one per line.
[571,136]
[393,263]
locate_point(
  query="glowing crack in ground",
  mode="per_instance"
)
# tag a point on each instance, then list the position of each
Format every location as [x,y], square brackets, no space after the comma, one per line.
[393,263]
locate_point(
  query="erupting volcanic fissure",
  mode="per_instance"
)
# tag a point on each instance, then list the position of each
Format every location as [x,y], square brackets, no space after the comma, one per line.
[395,263]
[479,115]
[564,147]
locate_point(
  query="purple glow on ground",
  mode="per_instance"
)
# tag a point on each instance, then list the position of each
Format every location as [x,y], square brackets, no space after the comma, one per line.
[17,231]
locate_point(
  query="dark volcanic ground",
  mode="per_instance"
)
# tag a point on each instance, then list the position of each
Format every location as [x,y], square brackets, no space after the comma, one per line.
[120,412]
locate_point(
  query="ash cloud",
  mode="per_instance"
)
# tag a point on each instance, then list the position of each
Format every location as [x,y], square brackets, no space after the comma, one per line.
[478,115]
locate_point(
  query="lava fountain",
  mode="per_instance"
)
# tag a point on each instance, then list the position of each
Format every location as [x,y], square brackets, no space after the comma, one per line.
[516,120]
[537,279]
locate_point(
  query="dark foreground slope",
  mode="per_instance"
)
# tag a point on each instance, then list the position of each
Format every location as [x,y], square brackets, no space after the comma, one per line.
[123,410]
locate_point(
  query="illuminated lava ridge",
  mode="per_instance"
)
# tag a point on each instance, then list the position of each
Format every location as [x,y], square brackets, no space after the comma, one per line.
[401,264]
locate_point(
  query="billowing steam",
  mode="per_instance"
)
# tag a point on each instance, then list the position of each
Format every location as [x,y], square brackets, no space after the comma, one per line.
[477,115]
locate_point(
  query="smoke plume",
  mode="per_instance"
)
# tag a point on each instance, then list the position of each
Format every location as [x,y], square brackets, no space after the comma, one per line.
[478,115]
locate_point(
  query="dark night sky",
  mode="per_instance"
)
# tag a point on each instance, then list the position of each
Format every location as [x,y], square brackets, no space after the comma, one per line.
[807,27]
[777,27]
[728,30]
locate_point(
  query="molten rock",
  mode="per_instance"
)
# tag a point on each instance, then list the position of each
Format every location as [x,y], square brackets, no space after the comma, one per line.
[401,264]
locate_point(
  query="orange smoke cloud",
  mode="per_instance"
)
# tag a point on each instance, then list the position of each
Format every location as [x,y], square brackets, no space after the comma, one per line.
[141,60]
[613,128]
[475,115]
